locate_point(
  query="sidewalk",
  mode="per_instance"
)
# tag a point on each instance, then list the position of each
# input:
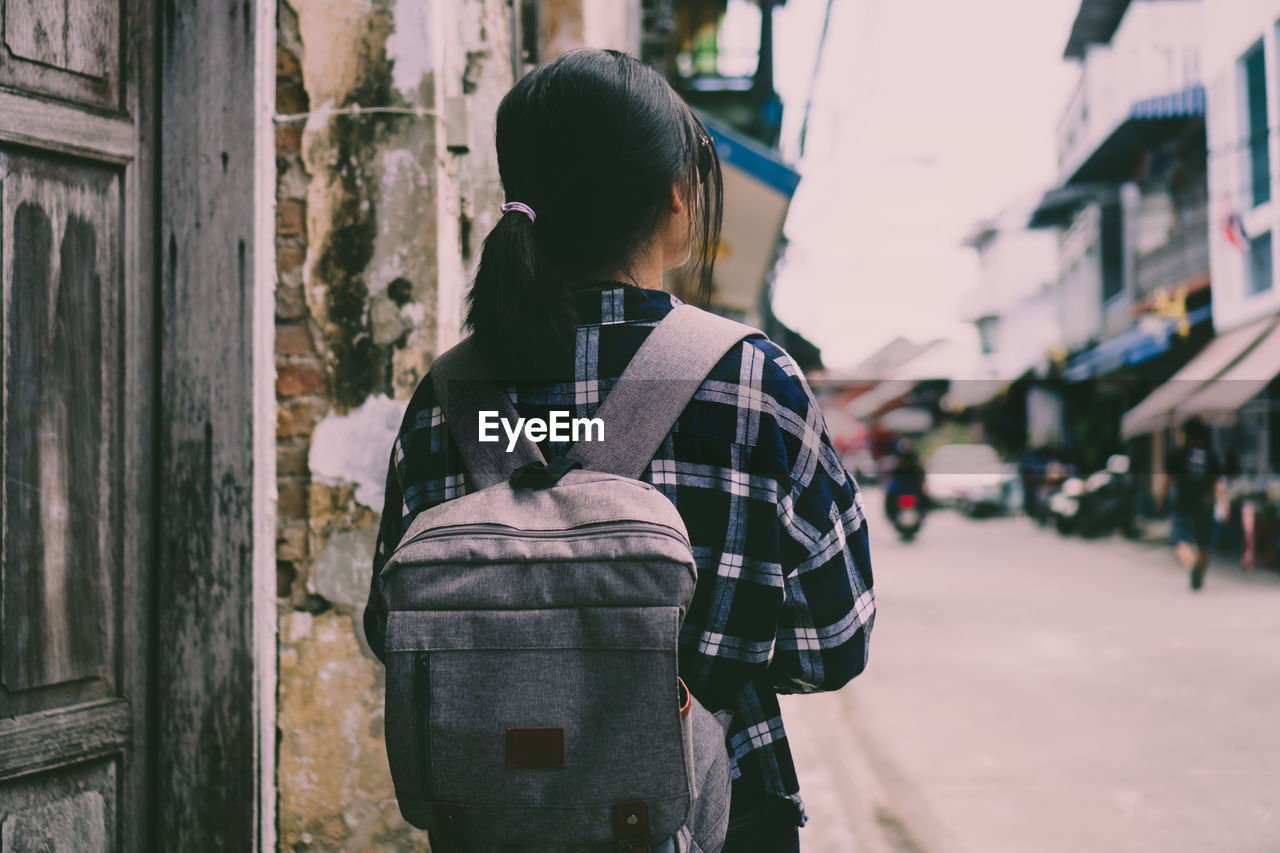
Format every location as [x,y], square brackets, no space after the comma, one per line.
[858,800]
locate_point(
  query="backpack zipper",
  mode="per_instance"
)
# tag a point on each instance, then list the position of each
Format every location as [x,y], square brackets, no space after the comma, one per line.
[422,717]
[496,529]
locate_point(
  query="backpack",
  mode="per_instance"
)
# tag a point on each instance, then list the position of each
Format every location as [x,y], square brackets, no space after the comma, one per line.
[532,695]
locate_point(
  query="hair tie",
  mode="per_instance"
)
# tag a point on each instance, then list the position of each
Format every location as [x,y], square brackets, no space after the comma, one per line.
[522,207]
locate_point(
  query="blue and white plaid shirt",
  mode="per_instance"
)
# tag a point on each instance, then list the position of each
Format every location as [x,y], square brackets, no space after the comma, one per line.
[784,600]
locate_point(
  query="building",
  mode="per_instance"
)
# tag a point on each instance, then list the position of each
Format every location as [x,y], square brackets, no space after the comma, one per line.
[732,82]
[1232,383]
[1240,63]
[1013,304]
[1130,209]
[1130,138]
[731,85]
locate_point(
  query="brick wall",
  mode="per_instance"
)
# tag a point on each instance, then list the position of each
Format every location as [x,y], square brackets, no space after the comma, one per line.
[301,382]
[370,279]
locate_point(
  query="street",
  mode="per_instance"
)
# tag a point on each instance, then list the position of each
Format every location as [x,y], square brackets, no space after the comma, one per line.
[1029,693]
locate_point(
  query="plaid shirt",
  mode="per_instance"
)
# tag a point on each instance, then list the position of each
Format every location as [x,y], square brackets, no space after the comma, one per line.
[783,601]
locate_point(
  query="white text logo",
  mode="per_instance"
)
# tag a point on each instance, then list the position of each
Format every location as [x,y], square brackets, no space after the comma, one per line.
[561,427]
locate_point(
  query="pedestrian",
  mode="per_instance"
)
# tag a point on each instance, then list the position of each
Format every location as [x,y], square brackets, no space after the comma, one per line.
[1195,474]
[611,180]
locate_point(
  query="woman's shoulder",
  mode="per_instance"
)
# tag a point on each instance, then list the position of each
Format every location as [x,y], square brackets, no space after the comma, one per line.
[755,395]
[759,363]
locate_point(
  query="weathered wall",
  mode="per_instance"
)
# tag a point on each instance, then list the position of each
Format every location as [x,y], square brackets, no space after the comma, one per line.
[377,214]
[380,216]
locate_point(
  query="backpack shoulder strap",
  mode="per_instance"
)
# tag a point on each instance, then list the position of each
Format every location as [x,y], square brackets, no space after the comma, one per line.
[655,388]
[464,388]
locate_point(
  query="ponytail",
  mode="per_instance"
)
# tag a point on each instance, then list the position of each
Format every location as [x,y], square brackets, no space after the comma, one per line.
[520,308]
[594,142]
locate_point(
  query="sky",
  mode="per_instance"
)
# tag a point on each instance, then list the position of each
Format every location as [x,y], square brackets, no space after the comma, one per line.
[928,115]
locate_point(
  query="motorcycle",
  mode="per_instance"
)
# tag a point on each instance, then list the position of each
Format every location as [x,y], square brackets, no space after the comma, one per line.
[1110,501]
[1064,505]
[908,515]
[1104,501]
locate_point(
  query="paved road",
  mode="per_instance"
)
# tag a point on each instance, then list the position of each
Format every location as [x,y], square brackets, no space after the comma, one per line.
[1034,694]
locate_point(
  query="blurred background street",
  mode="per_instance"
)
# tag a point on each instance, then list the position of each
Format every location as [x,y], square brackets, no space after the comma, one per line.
[1028,692]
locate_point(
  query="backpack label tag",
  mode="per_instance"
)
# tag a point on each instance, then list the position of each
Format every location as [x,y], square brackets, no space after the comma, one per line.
[534,747]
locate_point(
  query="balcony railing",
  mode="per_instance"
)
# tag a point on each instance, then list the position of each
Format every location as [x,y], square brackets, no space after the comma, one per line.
[1184,257]
[1112,82]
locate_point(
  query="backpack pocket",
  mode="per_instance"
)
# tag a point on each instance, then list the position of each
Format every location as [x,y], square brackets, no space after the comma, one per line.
[709,778]
[529,727]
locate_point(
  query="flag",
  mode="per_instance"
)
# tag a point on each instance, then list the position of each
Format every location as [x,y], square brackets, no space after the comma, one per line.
[1233,227]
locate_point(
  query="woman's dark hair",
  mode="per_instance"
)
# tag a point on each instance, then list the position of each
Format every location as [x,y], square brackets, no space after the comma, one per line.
[593,142]
[1196,430]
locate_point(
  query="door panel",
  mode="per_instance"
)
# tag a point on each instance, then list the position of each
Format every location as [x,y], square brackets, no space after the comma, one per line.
[61,254]
[74,810]
[63,48]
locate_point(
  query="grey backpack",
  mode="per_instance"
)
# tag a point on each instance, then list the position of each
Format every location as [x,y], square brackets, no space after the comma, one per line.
[532,700]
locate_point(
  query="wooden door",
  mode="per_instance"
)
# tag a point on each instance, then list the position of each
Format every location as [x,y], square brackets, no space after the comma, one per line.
[76,230]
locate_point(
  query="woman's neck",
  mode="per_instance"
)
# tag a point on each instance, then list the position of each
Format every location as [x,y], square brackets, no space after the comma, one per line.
[645,270]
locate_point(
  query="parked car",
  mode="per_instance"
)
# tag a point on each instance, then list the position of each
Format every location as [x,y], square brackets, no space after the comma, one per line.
[971,478]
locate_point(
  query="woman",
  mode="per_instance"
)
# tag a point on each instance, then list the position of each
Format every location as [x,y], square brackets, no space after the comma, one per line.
[611,181]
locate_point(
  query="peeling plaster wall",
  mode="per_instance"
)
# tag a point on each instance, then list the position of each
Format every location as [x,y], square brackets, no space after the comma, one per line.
[379,219]
[334,794]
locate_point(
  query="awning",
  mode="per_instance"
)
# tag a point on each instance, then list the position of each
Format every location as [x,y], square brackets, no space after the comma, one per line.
[1148,122]
[1157,410]
[1058,206]
[1127,349]
[868,404]
[1132,347]
[968,393]
[941,360]
[1220,400]
[758,186]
